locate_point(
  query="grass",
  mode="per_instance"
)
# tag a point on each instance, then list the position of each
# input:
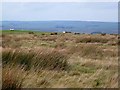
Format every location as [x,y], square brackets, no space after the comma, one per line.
[91,40]
[25,32]
[41,60]
[52,60]
[82,69]
[88,51]
[12,77]
[17,31]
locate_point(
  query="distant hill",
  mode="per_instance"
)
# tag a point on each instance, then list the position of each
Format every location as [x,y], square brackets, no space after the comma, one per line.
[96,33]
[59,26]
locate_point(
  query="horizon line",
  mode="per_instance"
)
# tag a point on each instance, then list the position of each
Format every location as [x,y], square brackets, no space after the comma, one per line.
[60,20]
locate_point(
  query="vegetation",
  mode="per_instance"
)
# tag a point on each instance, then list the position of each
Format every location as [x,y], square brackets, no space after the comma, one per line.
[45,60]
[37,59]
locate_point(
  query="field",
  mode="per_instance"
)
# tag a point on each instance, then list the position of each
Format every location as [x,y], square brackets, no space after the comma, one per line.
[42,60]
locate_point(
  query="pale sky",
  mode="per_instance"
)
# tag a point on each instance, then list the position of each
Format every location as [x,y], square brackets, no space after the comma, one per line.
[42,11]
[59,0]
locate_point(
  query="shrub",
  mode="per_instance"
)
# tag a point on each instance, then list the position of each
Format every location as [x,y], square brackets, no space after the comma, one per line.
[31,32]
[53,33]
[103,34]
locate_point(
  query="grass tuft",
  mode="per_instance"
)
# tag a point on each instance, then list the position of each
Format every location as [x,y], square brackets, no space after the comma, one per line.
[52,60]
[12,78]
[88,51]
[91,40]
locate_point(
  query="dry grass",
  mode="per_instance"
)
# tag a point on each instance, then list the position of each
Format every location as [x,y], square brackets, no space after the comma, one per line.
[90,39]
[52,60]
[12,77]
[60,61]
[92,51]
[88,51]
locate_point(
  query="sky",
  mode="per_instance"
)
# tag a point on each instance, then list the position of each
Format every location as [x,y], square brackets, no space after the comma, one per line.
[47,11]
[59,0]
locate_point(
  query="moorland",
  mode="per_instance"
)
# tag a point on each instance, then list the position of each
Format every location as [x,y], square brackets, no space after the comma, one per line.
[62,60]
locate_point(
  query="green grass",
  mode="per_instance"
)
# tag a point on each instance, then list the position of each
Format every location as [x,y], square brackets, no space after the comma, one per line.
[23,32]
[82,69]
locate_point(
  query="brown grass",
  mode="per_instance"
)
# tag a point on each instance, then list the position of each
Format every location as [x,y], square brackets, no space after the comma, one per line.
[12,77]
[90,39]
[60,61]
[52,60]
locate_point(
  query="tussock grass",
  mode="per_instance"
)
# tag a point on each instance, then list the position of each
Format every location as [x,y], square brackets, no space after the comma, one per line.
[89,39]
[63,60]
[12,77]
[118,41]
[88,51]
[91,51]
[51,60]
[82,69]
[60,45]
[49,38]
